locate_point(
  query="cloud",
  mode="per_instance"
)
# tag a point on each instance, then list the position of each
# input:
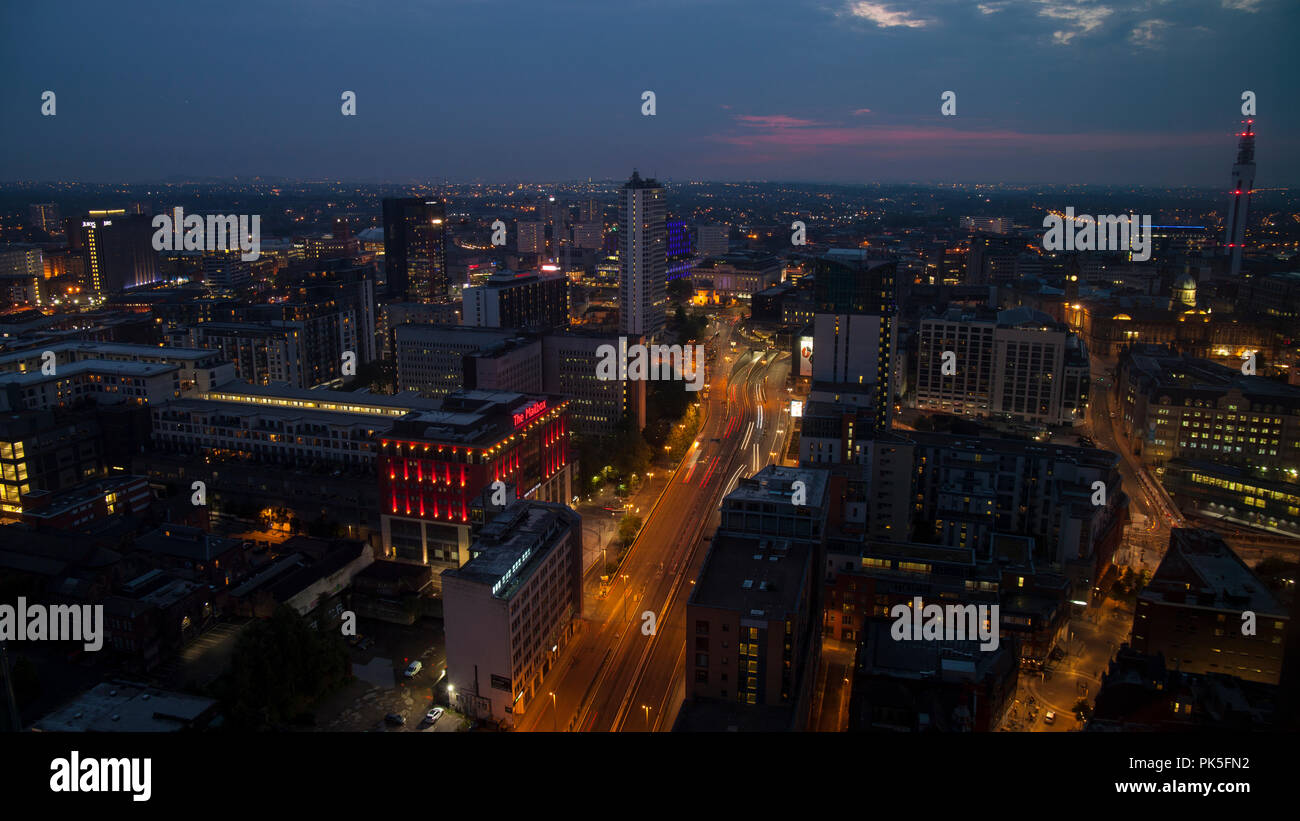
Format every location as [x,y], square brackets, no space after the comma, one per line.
[993,8]
[775,121]
[1079,18]
[861,111]
[1251,6]
[884,17]
[1148,33]
[792,135]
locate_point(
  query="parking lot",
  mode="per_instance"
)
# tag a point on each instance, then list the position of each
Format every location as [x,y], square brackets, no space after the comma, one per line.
[380,655]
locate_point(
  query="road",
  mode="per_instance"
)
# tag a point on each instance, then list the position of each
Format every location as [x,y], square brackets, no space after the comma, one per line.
[1090,646]
[618,674]
[1143,547]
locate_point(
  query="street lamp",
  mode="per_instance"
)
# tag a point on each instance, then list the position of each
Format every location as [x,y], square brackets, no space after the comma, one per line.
[625,578]
[647,716]
[555,716]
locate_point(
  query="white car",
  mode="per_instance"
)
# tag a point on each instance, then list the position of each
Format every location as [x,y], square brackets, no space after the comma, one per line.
[413,668]
[433,715]
[1049,717]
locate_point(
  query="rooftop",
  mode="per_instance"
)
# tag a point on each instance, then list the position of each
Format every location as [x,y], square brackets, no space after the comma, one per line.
[776,483]
[760,578]
[185,542]
[476,417]
[104,350]
[284,395]
[509,548]
[118,706]
[85,366]
[1201,570]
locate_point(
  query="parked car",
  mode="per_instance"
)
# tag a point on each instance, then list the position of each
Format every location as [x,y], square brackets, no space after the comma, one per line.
[433,715]
[396,719]
[413,668]
[1049,717]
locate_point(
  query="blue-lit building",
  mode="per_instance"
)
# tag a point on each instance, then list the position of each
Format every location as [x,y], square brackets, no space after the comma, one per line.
[680,250]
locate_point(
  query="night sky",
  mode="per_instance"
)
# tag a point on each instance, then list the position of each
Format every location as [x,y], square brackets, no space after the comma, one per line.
[1078,92]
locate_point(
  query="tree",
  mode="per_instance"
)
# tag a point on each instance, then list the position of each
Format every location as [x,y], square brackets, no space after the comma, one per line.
[26,681]
[279,668]
[628,527]
[631,454]
[679,289]
[1083,709]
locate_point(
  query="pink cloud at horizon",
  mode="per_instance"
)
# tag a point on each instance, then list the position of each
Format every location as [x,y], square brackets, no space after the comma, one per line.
[776,121]
[791,133]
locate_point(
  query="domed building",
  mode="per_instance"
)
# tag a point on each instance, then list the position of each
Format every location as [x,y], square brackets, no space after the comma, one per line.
[1183,295]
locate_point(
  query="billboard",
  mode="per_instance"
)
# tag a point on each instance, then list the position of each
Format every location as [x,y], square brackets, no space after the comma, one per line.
[805,355]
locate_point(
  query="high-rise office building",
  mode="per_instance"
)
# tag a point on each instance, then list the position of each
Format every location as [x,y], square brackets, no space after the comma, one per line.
[570,360]
[590,211]
[1243,181]
[431,359]
[415,248]
[117,248]
[712,239]
[1018,364]
[44,216]
[526,300]
[643,257]
[555,215]
[530,237]
[679,250]
[987,225]
[588,235]
[855,332]
[22,275]
[993,258]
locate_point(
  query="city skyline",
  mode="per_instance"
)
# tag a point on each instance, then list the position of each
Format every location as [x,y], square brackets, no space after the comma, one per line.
[809,373]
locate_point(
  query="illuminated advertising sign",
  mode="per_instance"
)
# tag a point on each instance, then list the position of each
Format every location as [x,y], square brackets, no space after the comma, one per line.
[530,413]
[805,355]
[796,408]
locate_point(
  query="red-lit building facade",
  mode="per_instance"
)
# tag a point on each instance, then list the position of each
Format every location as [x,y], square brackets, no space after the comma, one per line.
[437,469]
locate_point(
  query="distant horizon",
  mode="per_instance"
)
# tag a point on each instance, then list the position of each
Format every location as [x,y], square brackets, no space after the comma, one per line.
[273,180]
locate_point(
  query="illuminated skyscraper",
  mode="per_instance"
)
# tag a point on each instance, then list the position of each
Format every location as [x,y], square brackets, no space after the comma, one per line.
[1243,180]
[642,247]
[415,248]
[679,250]
[117,248]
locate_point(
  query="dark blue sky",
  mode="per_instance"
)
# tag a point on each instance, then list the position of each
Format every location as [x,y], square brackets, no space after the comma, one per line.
[1090,91]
